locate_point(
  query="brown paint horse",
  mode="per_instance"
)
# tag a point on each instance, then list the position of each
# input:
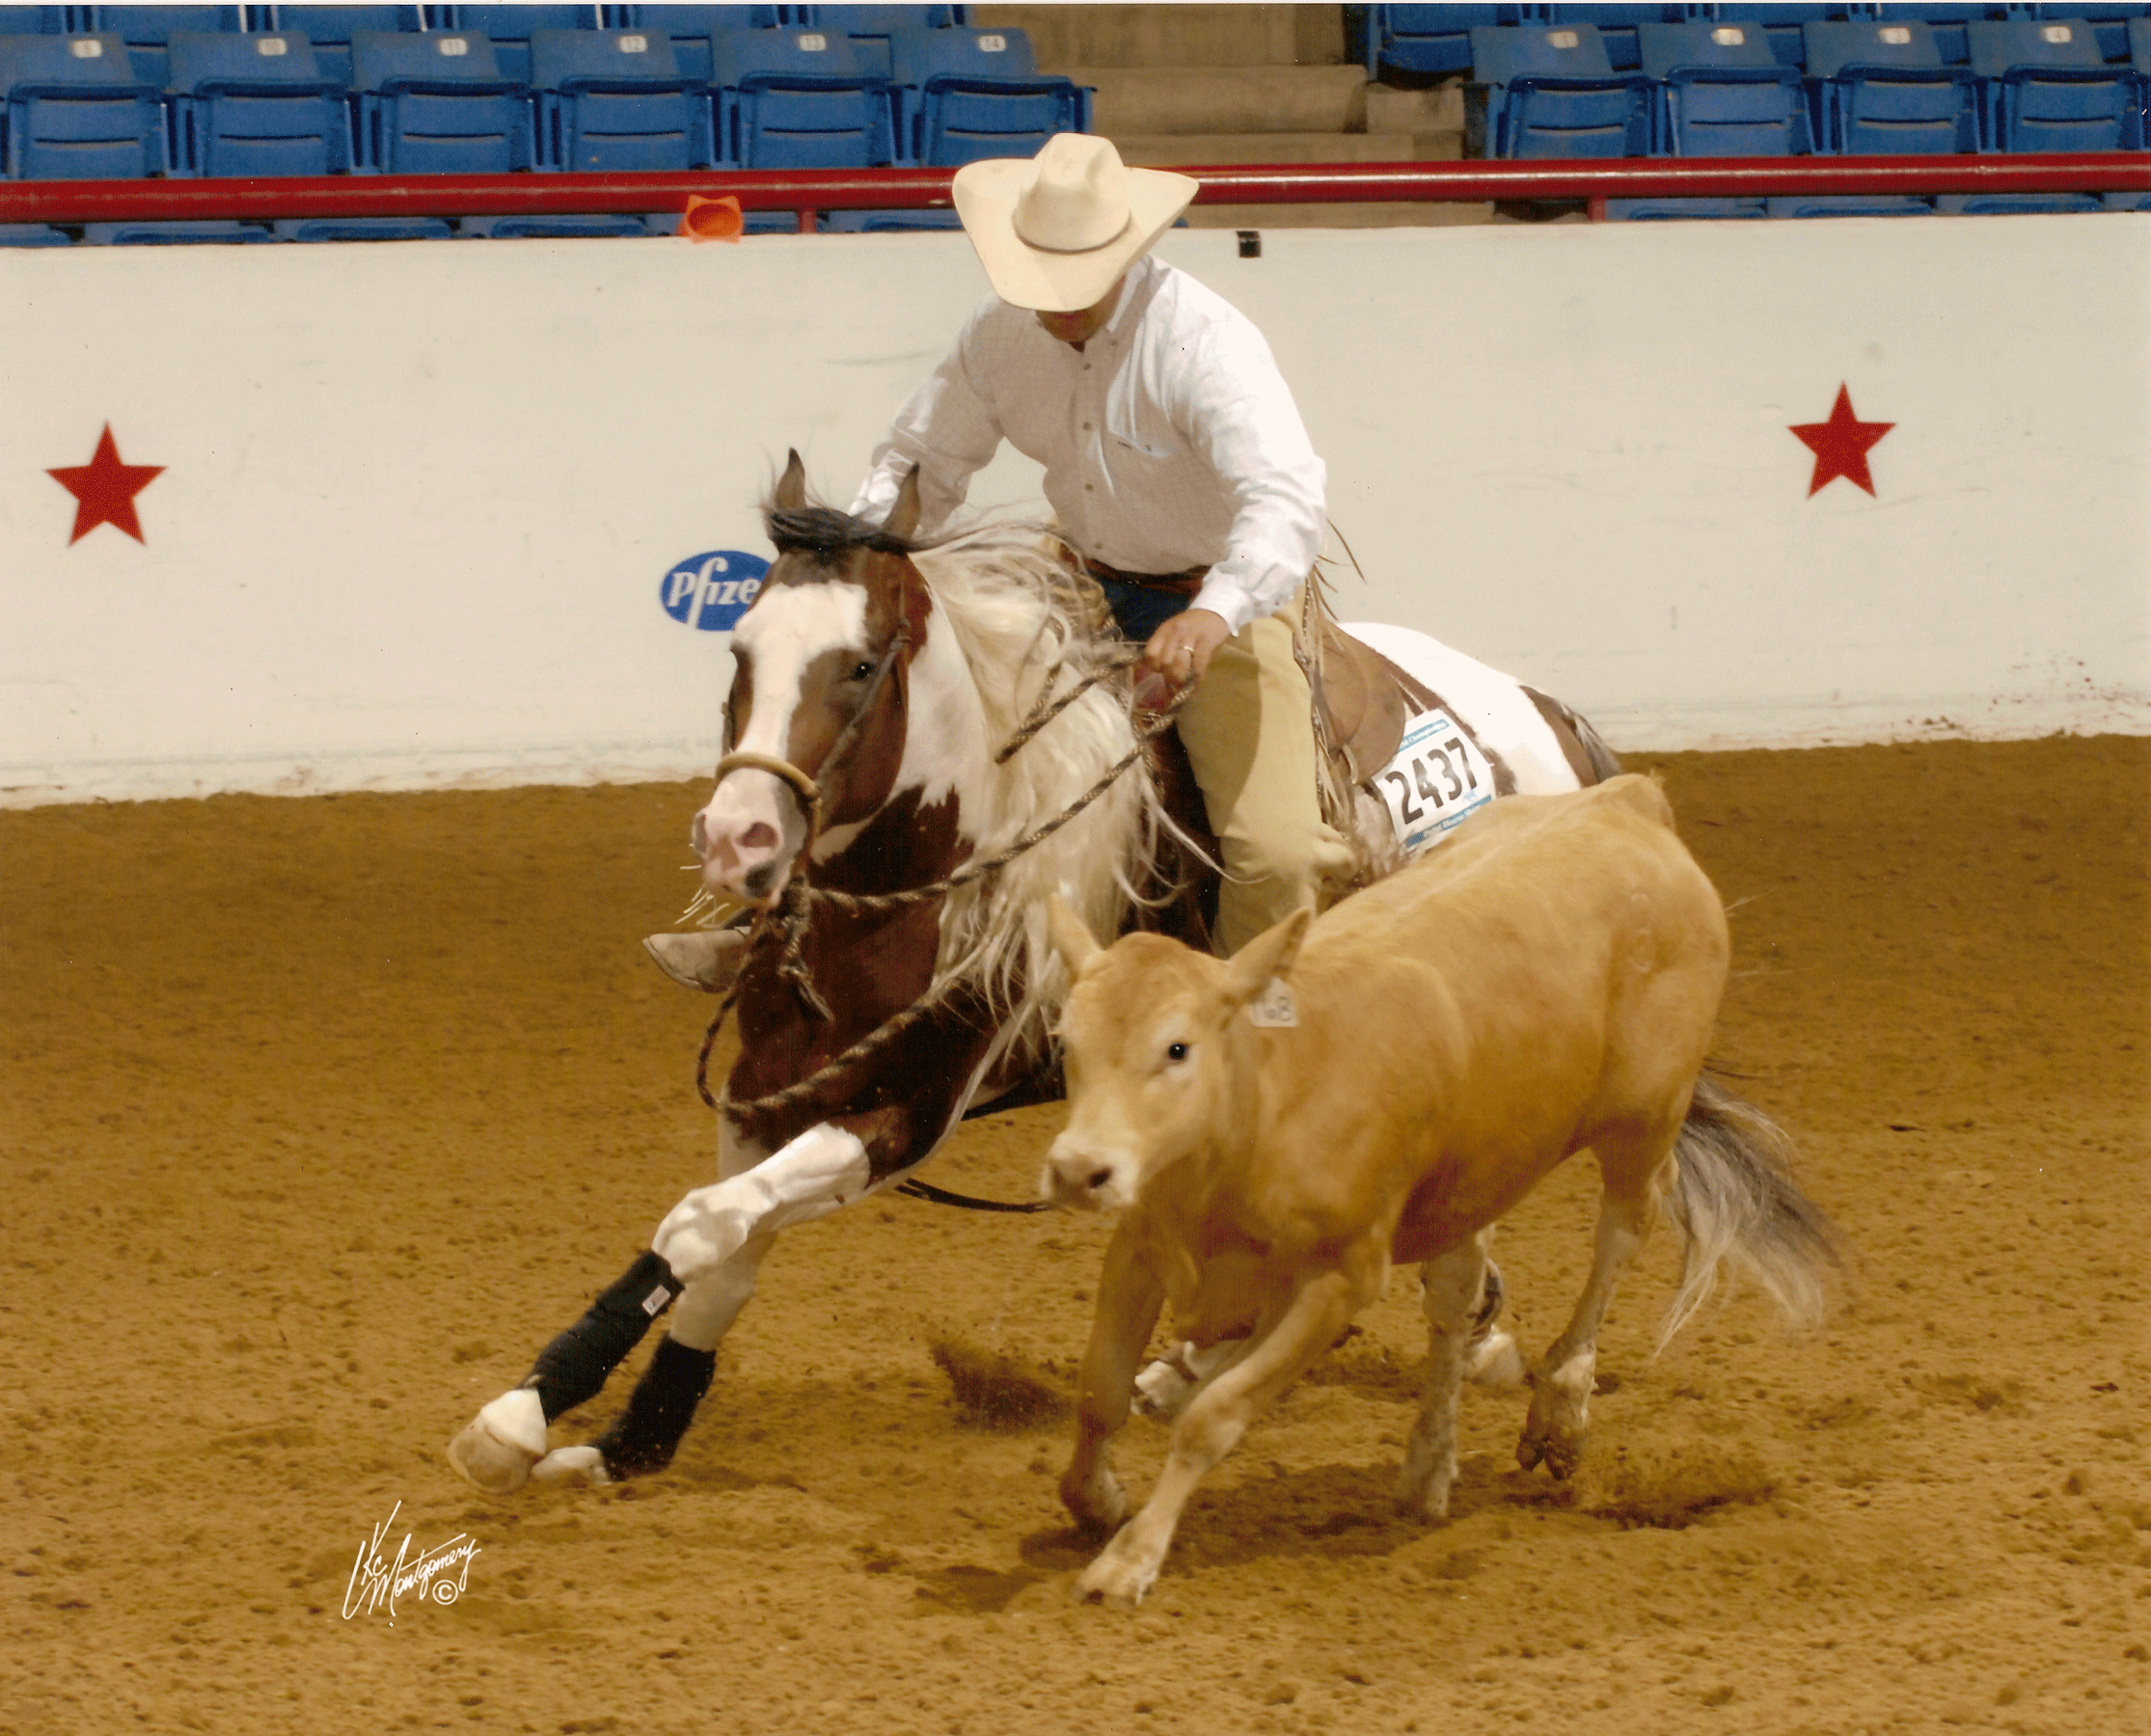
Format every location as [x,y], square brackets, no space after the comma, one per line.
[875,679]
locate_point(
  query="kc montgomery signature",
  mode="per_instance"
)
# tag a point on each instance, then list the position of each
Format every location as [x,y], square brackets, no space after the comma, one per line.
[437,1573]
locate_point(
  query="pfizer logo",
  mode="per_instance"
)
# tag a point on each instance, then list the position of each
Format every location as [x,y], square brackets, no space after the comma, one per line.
[712,591]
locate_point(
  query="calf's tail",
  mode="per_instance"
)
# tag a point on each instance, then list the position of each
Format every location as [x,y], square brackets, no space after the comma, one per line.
[1734,1197]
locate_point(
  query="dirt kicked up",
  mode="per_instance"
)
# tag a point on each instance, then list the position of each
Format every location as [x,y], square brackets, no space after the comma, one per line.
[321,1116]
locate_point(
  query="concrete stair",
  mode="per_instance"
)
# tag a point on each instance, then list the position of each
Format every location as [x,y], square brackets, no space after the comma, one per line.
[1245,84]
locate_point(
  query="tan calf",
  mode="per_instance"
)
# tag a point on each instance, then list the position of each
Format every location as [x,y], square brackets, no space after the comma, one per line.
[1384,1085]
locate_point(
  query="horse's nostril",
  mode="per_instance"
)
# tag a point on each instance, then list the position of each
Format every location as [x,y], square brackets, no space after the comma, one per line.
[758,880]
[1099,1178]
[759,837]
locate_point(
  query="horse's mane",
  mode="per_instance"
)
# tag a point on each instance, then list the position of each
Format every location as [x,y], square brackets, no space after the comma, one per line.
[1030,629]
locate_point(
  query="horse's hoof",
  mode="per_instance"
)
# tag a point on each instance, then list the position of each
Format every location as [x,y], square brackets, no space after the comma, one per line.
[1494,1361]
[703,959]
[572,1465]
[498,1448]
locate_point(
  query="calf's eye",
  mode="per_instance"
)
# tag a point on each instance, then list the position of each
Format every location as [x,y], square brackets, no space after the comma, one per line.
[1176,1051]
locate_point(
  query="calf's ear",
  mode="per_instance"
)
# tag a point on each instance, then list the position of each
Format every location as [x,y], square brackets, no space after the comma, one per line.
[1072,939]
[1267,955]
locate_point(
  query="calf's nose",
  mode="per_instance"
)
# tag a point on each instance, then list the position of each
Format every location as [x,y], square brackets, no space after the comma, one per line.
[1074,1176]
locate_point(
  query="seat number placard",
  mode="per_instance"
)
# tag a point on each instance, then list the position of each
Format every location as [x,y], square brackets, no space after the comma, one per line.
[1437,781]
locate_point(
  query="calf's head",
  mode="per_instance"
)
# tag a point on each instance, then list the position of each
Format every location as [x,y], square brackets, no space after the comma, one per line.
[1155,1049]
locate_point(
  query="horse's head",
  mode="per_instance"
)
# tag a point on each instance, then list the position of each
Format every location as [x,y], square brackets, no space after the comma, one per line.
[815,726]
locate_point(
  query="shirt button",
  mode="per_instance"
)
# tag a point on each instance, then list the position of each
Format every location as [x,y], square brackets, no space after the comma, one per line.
[1086,427]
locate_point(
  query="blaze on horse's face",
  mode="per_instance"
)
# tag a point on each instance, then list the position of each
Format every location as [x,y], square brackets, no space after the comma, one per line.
[805,657]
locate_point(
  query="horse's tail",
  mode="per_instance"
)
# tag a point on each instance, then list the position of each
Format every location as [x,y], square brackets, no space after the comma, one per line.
[1734,1196]
[1601,760]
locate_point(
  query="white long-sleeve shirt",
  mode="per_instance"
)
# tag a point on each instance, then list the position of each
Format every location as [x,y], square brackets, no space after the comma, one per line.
[1170,441]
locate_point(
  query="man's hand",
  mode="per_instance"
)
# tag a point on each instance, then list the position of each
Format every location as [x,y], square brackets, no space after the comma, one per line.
[1176,656]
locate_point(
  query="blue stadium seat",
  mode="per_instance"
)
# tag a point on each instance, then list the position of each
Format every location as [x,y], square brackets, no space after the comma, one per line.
[2109,23]
[508,28]
[2005,205]
[1663,210]
[362,229]
[1782,24]
[329,29]
[1946,23]
[798,99]
[2044,86]
[1548,91]
[870,27]
[1882,91]
[691,28]
[966,93]
[887,222]
[1426,40]
[35,20]
[32,235]
[255,104]
[437,104]
[2125,202]
[75,110]
[615,99]
[176,233]
[148,30]
[555,226]
[1617,26]
[1722,92]
[1847,205]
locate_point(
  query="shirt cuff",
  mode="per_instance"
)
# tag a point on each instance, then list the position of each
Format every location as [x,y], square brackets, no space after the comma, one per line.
[1227,597]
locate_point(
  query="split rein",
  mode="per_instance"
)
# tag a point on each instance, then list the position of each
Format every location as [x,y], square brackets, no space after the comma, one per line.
[799,896]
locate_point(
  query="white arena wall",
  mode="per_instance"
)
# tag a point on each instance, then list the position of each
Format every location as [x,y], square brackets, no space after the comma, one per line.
[418,502]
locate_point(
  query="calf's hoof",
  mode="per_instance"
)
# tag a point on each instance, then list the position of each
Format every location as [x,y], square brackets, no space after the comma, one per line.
[500,1446]
[1559,1454]
[1096,1503]
[1118,1578]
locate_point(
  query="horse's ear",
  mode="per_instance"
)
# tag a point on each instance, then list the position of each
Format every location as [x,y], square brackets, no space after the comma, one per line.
[1077,945]
[902,521]
[791,487]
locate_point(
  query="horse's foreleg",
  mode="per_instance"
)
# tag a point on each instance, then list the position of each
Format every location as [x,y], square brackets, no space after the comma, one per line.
[823,1168]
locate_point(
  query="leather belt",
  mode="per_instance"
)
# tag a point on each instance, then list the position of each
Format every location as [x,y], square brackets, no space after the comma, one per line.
[1180,584]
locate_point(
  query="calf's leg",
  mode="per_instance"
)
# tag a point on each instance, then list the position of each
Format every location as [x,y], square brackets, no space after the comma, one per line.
[1129,1299]
[1452,1298]
[1212,1426]
[1555,1428]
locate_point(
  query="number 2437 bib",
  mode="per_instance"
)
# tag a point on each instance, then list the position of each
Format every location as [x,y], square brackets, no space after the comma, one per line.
[1437,781]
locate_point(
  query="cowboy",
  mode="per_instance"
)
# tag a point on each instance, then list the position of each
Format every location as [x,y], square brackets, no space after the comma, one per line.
[1177,467]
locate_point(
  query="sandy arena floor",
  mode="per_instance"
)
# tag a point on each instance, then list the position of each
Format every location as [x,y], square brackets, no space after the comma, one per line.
[321,1116]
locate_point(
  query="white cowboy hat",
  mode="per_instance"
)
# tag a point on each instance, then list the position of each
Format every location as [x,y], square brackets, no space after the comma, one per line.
[1054,230]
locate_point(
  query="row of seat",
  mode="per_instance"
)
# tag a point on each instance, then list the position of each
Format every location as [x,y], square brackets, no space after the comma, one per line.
[688,89]
[1864,87]
[1410,43]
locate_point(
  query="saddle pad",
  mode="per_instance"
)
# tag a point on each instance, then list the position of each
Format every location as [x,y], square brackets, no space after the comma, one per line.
[1437,779]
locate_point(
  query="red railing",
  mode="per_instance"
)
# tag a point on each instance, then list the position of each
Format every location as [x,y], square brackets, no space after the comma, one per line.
[807,191]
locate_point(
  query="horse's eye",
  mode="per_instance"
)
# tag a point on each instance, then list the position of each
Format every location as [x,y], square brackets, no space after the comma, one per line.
[1176,1051]
[862,672]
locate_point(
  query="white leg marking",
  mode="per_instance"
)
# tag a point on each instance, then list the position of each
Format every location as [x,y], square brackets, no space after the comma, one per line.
[706,1308]
[823,1168]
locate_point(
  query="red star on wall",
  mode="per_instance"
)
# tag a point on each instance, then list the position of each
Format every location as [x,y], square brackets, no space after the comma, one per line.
[1840,444]
[105,489]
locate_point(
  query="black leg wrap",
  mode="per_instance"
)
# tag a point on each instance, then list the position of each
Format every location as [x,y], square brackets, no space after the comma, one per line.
[644,1436]
[574,1366]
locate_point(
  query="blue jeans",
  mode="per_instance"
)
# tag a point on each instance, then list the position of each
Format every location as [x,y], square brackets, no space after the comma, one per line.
[1139,611]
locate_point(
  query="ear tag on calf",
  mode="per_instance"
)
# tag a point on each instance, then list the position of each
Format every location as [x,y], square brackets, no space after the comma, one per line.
[1273,1008]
